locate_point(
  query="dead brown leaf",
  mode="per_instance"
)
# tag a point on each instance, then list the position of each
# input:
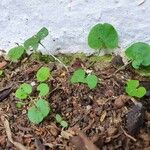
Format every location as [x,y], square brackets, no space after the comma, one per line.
[81,142]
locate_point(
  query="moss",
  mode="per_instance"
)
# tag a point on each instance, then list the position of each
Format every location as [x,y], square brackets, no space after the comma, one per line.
[69,59]
[38,56]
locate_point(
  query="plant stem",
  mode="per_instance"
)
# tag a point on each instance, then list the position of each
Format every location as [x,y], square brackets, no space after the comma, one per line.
[54,56]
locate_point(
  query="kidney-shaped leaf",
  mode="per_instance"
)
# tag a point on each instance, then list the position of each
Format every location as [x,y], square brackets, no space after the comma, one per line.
[133,89]
[38,112]
[103,36]
[23,91]
[43,88]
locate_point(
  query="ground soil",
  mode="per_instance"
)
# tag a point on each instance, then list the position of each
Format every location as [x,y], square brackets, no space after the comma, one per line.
[99,116]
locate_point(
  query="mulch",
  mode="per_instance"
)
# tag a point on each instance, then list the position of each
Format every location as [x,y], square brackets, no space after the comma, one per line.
[104,118]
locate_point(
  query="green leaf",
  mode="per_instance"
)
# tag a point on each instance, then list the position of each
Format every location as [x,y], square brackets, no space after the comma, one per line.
[133,90]
[92,81]
[19,105]
[43,88]
[38,112]
[64,124]
[23,91]
[31,43]
[42,33]
[139,53]
[16,53]
[58,118]
[140,92]
[78,76]
[103,36]
[1,72]
[43,74]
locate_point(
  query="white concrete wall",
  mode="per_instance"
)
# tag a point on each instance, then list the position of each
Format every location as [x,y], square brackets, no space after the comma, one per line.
[70,21]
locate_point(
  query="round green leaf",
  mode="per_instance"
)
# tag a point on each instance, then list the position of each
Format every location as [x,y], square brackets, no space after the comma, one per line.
[23,91]
[43,74]
[16,53]
[43,88]
[58,118]
[21,94]
[103,36]
[78,76]
[38,112]
[64,124]
[92,81]
[26,88]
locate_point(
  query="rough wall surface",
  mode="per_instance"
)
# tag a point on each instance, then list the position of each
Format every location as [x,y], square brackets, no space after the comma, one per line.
[70,20]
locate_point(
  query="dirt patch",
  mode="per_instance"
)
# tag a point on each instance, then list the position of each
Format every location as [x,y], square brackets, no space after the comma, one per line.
[103,115]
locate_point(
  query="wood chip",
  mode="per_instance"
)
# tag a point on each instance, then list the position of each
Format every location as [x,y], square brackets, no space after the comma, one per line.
[103,116]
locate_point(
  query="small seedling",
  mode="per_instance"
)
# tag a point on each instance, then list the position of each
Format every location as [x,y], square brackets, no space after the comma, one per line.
[43,74]
[60,120]
[134,90]
[33,42]
[38,111]
[40,108]
[43,88]
[79,76]
[23,91]
[139,54]
[103,36]
[19,105]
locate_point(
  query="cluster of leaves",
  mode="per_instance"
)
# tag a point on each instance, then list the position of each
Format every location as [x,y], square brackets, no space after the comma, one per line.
[40,108]
[134,90]
[61,121]
[32,43]
[79,76]
[139,54]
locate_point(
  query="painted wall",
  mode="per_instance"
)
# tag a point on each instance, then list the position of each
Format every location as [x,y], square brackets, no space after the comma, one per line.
[70,20]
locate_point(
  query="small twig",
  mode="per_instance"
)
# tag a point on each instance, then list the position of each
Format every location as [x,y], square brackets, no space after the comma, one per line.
[121,68]
[55,88]
[54,56]
[129,136]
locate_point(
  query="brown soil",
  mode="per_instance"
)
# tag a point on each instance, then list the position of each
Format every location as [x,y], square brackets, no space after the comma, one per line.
[101,114]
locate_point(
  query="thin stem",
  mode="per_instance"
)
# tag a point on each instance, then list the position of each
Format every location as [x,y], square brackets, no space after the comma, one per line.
[54,56]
